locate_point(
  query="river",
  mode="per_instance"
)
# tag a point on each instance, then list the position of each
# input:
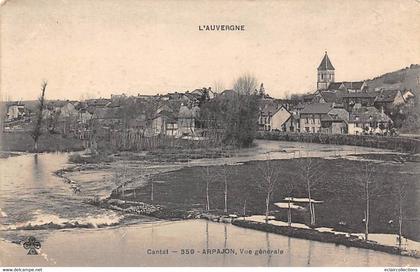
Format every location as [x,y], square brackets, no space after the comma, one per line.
[35,202]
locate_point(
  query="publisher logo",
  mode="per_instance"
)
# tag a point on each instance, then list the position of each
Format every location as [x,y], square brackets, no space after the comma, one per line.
[32,244]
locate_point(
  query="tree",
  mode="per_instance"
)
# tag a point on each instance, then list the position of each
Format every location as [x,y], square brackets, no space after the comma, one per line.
[36,132]
[401,194]
[310,173]
[225,176]
[400,191]
[208,177]
[120,179]
[365,179]
[289,188]
[218,87]
[52,121]
[241,112]
[267,180]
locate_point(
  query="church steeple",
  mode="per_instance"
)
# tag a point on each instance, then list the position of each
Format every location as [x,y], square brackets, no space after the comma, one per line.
[325,73]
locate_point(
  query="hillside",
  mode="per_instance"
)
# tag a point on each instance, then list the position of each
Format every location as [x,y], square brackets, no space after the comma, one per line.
[407,78]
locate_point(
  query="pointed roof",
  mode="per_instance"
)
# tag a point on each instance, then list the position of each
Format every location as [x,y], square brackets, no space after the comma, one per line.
[325,63]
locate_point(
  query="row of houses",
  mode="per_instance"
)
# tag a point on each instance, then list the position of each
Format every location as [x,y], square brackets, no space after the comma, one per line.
[172,114]
[328,118]
[334,108]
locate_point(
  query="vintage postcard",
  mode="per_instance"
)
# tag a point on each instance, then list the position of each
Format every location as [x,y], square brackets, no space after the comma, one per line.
[183,133]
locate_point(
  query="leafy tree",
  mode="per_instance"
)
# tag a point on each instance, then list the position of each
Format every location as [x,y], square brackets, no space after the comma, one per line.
[242,112]
[231,117]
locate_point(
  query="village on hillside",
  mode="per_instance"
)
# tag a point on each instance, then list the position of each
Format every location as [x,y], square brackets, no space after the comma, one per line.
[335,107]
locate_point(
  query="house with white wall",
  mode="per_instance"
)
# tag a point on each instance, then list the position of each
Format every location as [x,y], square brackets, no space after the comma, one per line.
[368,120]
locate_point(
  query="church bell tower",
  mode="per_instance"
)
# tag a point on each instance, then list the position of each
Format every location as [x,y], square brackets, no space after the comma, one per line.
[325,73]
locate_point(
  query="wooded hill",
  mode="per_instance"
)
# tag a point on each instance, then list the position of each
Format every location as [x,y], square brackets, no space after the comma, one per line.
[406,78]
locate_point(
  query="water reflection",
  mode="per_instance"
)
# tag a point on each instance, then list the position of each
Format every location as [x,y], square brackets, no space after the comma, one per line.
[127,246]
[289,251]
[37,170]
[267,239]
[309,252]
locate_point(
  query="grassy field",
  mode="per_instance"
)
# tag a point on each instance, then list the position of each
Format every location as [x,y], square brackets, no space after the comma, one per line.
[338,188]
[21,141]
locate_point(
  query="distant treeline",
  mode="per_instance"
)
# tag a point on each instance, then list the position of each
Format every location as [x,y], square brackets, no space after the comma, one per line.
[129,140]
[400,144]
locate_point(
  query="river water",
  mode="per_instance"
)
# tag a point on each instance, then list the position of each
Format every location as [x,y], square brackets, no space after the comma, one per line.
[35,202]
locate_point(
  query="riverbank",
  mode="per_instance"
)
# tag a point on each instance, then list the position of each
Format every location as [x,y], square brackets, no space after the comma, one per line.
[325,237]
[400,144]
[22,142]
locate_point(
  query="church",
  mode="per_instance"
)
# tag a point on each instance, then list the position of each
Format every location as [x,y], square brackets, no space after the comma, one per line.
[326,79]
[326,73]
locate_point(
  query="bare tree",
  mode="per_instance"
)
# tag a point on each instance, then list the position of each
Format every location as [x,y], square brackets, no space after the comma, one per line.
[218,87]
[289,188]
[120,179]
[310,174]
[36,132]
[401,193]
[208,177]
[365,179]
[225,175]
[245,84]
[268,176]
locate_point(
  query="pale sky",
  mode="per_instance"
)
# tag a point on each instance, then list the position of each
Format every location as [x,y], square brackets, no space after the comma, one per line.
[98,47]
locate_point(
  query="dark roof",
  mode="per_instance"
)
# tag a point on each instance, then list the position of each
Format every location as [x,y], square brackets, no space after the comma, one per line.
[317,108]
[334,85]
[299,106]
[386,96]
[330,97]
[354,85]
[168,114]
[351,85]
[108,113]
[359,94]
[368,114]
[268,106]
[97,101]
[308,97]
[325,64]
